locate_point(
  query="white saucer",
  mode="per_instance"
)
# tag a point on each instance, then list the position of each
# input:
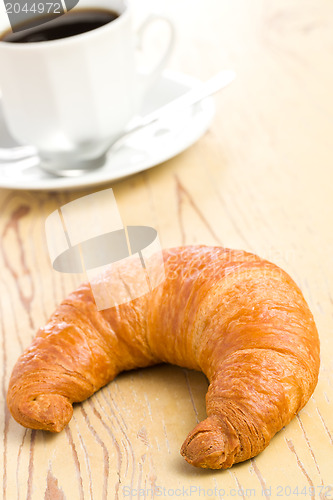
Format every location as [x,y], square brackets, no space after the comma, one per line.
[141,150]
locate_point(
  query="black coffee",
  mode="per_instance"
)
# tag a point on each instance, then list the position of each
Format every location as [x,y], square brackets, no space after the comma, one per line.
[66,25]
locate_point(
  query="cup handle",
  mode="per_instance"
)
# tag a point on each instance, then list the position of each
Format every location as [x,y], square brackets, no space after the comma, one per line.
[148,79]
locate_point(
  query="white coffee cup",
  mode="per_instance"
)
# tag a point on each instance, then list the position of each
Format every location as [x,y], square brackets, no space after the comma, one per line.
[69,97]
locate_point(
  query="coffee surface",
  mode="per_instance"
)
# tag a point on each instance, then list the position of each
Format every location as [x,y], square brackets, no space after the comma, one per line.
[70,24]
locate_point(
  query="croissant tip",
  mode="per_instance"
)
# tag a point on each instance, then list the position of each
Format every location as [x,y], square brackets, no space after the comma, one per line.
[214,460]
[207,446]
[48,412]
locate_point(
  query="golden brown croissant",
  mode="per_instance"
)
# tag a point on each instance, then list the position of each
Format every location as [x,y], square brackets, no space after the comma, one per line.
[238,318]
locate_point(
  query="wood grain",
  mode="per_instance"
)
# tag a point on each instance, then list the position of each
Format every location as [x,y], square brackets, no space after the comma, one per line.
[261,180]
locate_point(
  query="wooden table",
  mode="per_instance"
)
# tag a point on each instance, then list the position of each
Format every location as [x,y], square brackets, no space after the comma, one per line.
[260,180]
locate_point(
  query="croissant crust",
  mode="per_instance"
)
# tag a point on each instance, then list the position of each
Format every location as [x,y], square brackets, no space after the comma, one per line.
[239,319]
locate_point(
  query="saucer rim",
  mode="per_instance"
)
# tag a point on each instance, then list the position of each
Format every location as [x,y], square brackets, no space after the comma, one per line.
[105,175]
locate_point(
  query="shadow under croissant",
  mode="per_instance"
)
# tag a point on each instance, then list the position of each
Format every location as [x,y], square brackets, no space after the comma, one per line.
[160,392]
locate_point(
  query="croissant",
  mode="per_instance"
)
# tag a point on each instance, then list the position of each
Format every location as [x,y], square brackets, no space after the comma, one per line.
[239,319]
